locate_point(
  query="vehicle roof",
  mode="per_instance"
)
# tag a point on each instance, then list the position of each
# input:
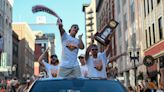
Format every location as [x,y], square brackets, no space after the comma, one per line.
[80,78]
[75,82]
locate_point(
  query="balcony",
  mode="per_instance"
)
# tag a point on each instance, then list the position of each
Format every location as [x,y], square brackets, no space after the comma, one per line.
[90,12]
[91,30]
[90,18]
[89,24]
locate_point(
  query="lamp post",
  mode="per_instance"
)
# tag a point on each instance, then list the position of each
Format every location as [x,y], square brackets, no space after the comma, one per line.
[134,57]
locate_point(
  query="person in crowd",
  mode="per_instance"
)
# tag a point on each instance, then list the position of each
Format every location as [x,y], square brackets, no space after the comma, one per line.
[130,89]
[83,67]
[139,88]
[160,87]
[151,84]
[52,68]
[69,66]
[2,89]
[22,86]
[162,72]
[13,84]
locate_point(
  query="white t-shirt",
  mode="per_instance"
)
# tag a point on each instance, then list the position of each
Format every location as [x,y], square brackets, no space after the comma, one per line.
[92,72]
[84,70]
[50,69]
[69,55]
[159,90]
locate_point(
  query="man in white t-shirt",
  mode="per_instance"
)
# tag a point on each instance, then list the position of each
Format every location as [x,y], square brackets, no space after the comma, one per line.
[83,66]
[69,66]
[97,62]
[52,68]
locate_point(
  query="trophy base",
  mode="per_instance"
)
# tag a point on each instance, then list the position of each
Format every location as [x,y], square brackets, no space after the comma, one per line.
[102,41]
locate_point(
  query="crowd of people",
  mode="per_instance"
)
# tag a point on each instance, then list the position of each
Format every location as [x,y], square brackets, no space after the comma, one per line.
[92,64]
[147,86]
[15,85]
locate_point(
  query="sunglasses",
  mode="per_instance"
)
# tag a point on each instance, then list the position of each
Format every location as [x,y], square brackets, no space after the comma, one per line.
[94,49]
[81,57]
[76,27]
[54,58]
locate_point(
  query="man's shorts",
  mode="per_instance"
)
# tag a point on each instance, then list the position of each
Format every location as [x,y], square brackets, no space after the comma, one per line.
[69,72]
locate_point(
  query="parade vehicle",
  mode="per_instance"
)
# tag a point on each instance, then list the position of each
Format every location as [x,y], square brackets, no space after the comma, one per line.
[76,85]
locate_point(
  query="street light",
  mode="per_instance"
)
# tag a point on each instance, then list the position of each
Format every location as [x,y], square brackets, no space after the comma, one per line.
[134,57]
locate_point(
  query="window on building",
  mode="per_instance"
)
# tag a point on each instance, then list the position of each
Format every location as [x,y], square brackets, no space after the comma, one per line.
[15,50]
[150,36]
[148,6]
[118,6]
[123,2]
[133,40]
[132,12]
[146,39]
[158,1]
[125,21]
[160,28]
[119,31]
[153,33]
[126,44]
[1,22]
[1,4]
[144,9]
[152,4]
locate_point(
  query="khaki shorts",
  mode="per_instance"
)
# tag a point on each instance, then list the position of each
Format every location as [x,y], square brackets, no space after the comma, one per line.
[69,72]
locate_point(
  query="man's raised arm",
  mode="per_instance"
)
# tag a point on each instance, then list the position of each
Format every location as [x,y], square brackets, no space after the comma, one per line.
[60,26]
[42,56]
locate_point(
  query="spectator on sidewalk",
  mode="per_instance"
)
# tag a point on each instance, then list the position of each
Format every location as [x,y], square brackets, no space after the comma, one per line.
[13,84]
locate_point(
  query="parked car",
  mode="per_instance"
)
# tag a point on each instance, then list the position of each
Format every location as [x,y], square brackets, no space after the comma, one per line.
[76,85]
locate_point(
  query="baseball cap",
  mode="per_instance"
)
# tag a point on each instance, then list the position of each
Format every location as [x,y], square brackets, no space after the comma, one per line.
[81,55]
[54,55]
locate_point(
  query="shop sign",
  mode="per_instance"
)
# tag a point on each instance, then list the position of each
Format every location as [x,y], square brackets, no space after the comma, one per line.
[148,60]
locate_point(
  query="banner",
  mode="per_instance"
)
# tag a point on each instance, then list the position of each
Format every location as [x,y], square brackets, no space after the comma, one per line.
[3,59]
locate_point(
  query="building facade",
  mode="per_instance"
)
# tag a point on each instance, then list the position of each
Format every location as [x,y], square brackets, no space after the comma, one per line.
[129,39]
[153,33]
[90,21]
[42,42]
[6,33]
[26,49]
[15,55]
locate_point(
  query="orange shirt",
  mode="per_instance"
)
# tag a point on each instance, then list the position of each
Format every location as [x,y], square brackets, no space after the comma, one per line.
[151,85]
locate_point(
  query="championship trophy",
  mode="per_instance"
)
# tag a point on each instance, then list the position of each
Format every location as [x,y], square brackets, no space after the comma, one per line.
[102,37]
